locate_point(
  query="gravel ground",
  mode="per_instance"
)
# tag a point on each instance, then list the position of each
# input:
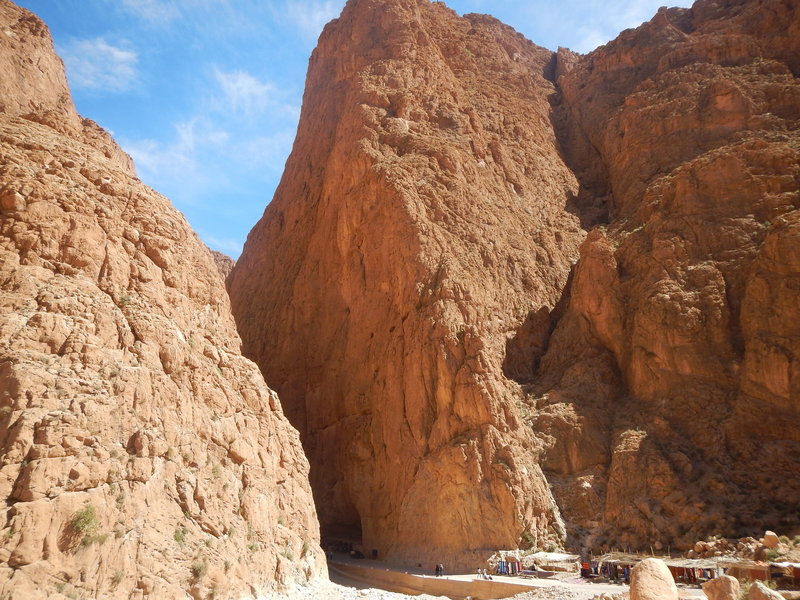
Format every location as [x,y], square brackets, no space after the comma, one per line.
[327,590]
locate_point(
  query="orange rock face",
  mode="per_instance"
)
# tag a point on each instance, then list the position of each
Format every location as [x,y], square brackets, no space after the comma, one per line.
[410,290]
[224,264]
[425,214]
[140,454]
[674,367]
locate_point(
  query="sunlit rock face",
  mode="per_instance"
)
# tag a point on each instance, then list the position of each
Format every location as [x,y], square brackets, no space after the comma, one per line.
[425,213]
[492,271]
[140,453]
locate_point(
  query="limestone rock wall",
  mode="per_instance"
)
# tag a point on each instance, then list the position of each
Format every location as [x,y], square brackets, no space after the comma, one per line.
[668,393]
[141,455]
[424,216]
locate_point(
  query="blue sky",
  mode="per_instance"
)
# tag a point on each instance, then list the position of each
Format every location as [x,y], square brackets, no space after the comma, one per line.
[205,94]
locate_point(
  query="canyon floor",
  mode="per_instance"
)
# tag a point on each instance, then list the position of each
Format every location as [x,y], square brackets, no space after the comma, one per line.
[342,587]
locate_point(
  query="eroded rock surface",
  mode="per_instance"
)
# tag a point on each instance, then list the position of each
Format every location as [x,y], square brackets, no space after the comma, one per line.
[142,455]
[669,388]
[424,217]
[224,264]
[414,270]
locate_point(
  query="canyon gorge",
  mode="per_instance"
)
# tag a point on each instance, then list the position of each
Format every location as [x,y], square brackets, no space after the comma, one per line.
[506,297]
[512,297]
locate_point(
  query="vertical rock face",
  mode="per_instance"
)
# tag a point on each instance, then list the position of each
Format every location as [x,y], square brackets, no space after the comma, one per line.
[674,373]
[414,269]
[140,452]
[224,264]
[424,216]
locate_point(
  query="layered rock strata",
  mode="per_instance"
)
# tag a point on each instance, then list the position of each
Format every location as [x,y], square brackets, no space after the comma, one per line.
[140,454]
[425,215]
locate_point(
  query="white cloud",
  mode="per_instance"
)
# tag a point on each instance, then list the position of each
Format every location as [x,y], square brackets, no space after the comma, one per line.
[158,12]
[311,16]
[243,93]
[94,64]
[178,159]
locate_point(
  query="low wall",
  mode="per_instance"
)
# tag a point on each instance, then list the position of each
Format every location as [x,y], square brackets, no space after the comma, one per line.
[405,583]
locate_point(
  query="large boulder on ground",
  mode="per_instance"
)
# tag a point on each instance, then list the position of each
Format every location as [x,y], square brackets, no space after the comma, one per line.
[770,539]
[722,588]
[758,591]
[651,580]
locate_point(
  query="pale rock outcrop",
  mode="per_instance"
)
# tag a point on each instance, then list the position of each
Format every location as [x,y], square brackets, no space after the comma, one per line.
[651,580]
[224,264]
[140,454]
[770,539]
[724,587]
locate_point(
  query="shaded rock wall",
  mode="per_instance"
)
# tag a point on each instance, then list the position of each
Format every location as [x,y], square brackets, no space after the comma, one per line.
[224,264]
[669,388]
[424,215]
[140,453]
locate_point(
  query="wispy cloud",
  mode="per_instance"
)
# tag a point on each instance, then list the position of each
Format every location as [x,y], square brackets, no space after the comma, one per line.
[95,64]
[311,16]
[242,92]
[581,25]
[155,158]
[160,12]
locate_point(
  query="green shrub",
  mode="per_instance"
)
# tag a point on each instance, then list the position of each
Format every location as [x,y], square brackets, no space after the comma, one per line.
[199,569]
[84,522]
[180,534]
[772,554]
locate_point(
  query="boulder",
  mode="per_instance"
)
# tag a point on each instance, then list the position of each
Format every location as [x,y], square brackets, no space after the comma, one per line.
[758,591]
[770,539]
[651,580]
[722,588]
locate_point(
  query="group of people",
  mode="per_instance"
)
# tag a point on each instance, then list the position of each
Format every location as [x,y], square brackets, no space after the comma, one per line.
[439,570]
[483,574]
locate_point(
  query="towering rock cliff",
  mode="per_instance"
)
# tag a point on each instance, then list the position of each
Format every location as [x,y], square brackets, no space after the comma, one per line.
[410,290]
[140,454]
[424,216]
[670,387]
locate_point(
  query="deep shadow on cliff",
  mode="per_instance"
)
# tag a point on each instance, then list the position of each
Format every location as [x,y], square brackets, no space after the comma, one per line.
[492,271]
